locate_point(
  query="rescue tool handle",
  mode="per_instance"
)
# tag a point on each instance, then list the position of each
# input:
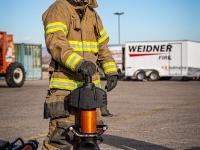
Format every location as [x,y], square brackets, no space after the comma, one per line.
[88,79]
[100,130]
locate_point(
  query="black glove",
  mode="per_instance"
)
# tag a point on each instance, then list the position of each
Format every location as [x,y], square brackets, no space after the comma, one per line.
[87,68]
[111,82]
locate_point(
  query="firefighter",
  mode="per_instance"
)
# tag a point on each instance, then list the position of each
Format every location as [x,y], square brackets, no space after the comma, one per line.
[77,41]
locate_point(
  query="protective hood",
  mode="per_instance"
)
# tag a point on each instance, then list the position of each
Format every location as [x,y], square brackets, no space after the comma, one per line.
[90,3]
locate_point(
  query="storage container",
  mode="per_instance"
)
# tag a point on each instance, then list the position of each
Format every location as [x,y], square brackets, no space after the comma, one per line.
[30,56]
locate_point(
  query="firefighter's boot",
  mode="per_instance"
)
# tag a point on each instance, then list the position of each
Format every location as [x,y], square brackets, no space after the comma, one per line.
[105,112]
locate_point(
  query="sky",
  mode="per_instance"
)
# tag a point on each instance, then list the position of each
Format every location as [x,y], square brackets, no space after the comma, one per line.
[144,20]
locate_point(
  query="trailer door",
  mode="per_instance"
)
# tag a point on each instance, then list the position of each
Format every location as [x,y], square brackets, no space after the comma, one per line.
[175,62]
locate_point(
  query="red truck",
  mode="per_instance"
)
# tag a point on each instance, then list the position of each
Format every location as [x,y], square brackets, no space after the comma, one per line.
[13,72]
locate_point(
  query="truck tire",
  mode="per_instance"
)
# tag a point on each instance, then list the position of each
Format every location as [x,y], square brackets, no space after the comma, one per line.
[15,75]
[154,76]
[140,76]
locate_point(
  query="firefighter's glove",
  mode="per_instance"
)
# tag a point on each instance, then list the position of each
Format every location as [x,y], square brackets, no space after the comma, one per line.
[111,82]
[87,68]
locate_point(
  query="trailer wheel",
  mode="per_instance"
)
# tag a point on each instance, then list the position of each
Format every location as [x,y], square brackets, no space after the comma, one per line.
[140,76]
[15,75]
[154,76]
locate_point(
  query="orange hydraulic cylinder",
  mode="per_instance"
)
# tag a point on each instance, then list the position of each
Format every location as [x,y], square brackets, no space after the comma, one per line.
[89,121]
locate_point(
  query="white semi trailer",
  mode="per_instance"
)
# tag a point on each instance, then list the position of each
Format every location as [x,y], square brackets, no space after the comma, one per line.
[153,60]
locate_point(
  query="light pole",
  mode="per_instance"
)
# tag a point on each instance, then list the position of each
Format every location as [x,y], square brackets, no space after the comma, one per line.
[119,14]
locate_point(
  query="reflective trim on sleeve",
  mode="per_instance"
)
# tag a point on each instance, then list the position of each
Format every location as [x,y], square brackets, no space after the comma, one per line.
[67,84]
[56,26]
[103,36]
[85,46]
[73,60]
[109,67]
[58,83]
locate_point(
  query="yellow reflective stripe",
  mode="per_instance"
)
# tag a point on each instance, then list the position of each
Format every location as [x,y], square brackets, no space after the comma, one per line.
[75,62]
[111,70]
[103,36]
[109,64]
[90,43]
[109,67]
[55,30]
[63,87]
[102,32]
[62,84]
[72,61]
[67,84]
[72,82]
[84,46]
[97,83]
[92,50]
[56,26]
[90,46]
[83,43]
[76,42]
[101,40]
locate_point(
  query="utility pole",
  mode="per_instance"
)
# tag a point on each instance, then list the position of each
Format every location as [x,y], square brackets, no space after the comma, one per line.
[119,34]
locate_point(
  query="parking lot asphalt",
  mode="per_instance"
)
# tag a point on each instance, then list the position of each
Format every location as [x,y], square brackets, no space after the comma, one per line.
[163,115]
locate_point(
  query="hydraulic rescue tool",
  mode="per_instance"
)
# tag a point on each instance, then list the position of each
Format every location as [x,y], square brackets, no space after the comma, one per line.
[87,99]
[19,144]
